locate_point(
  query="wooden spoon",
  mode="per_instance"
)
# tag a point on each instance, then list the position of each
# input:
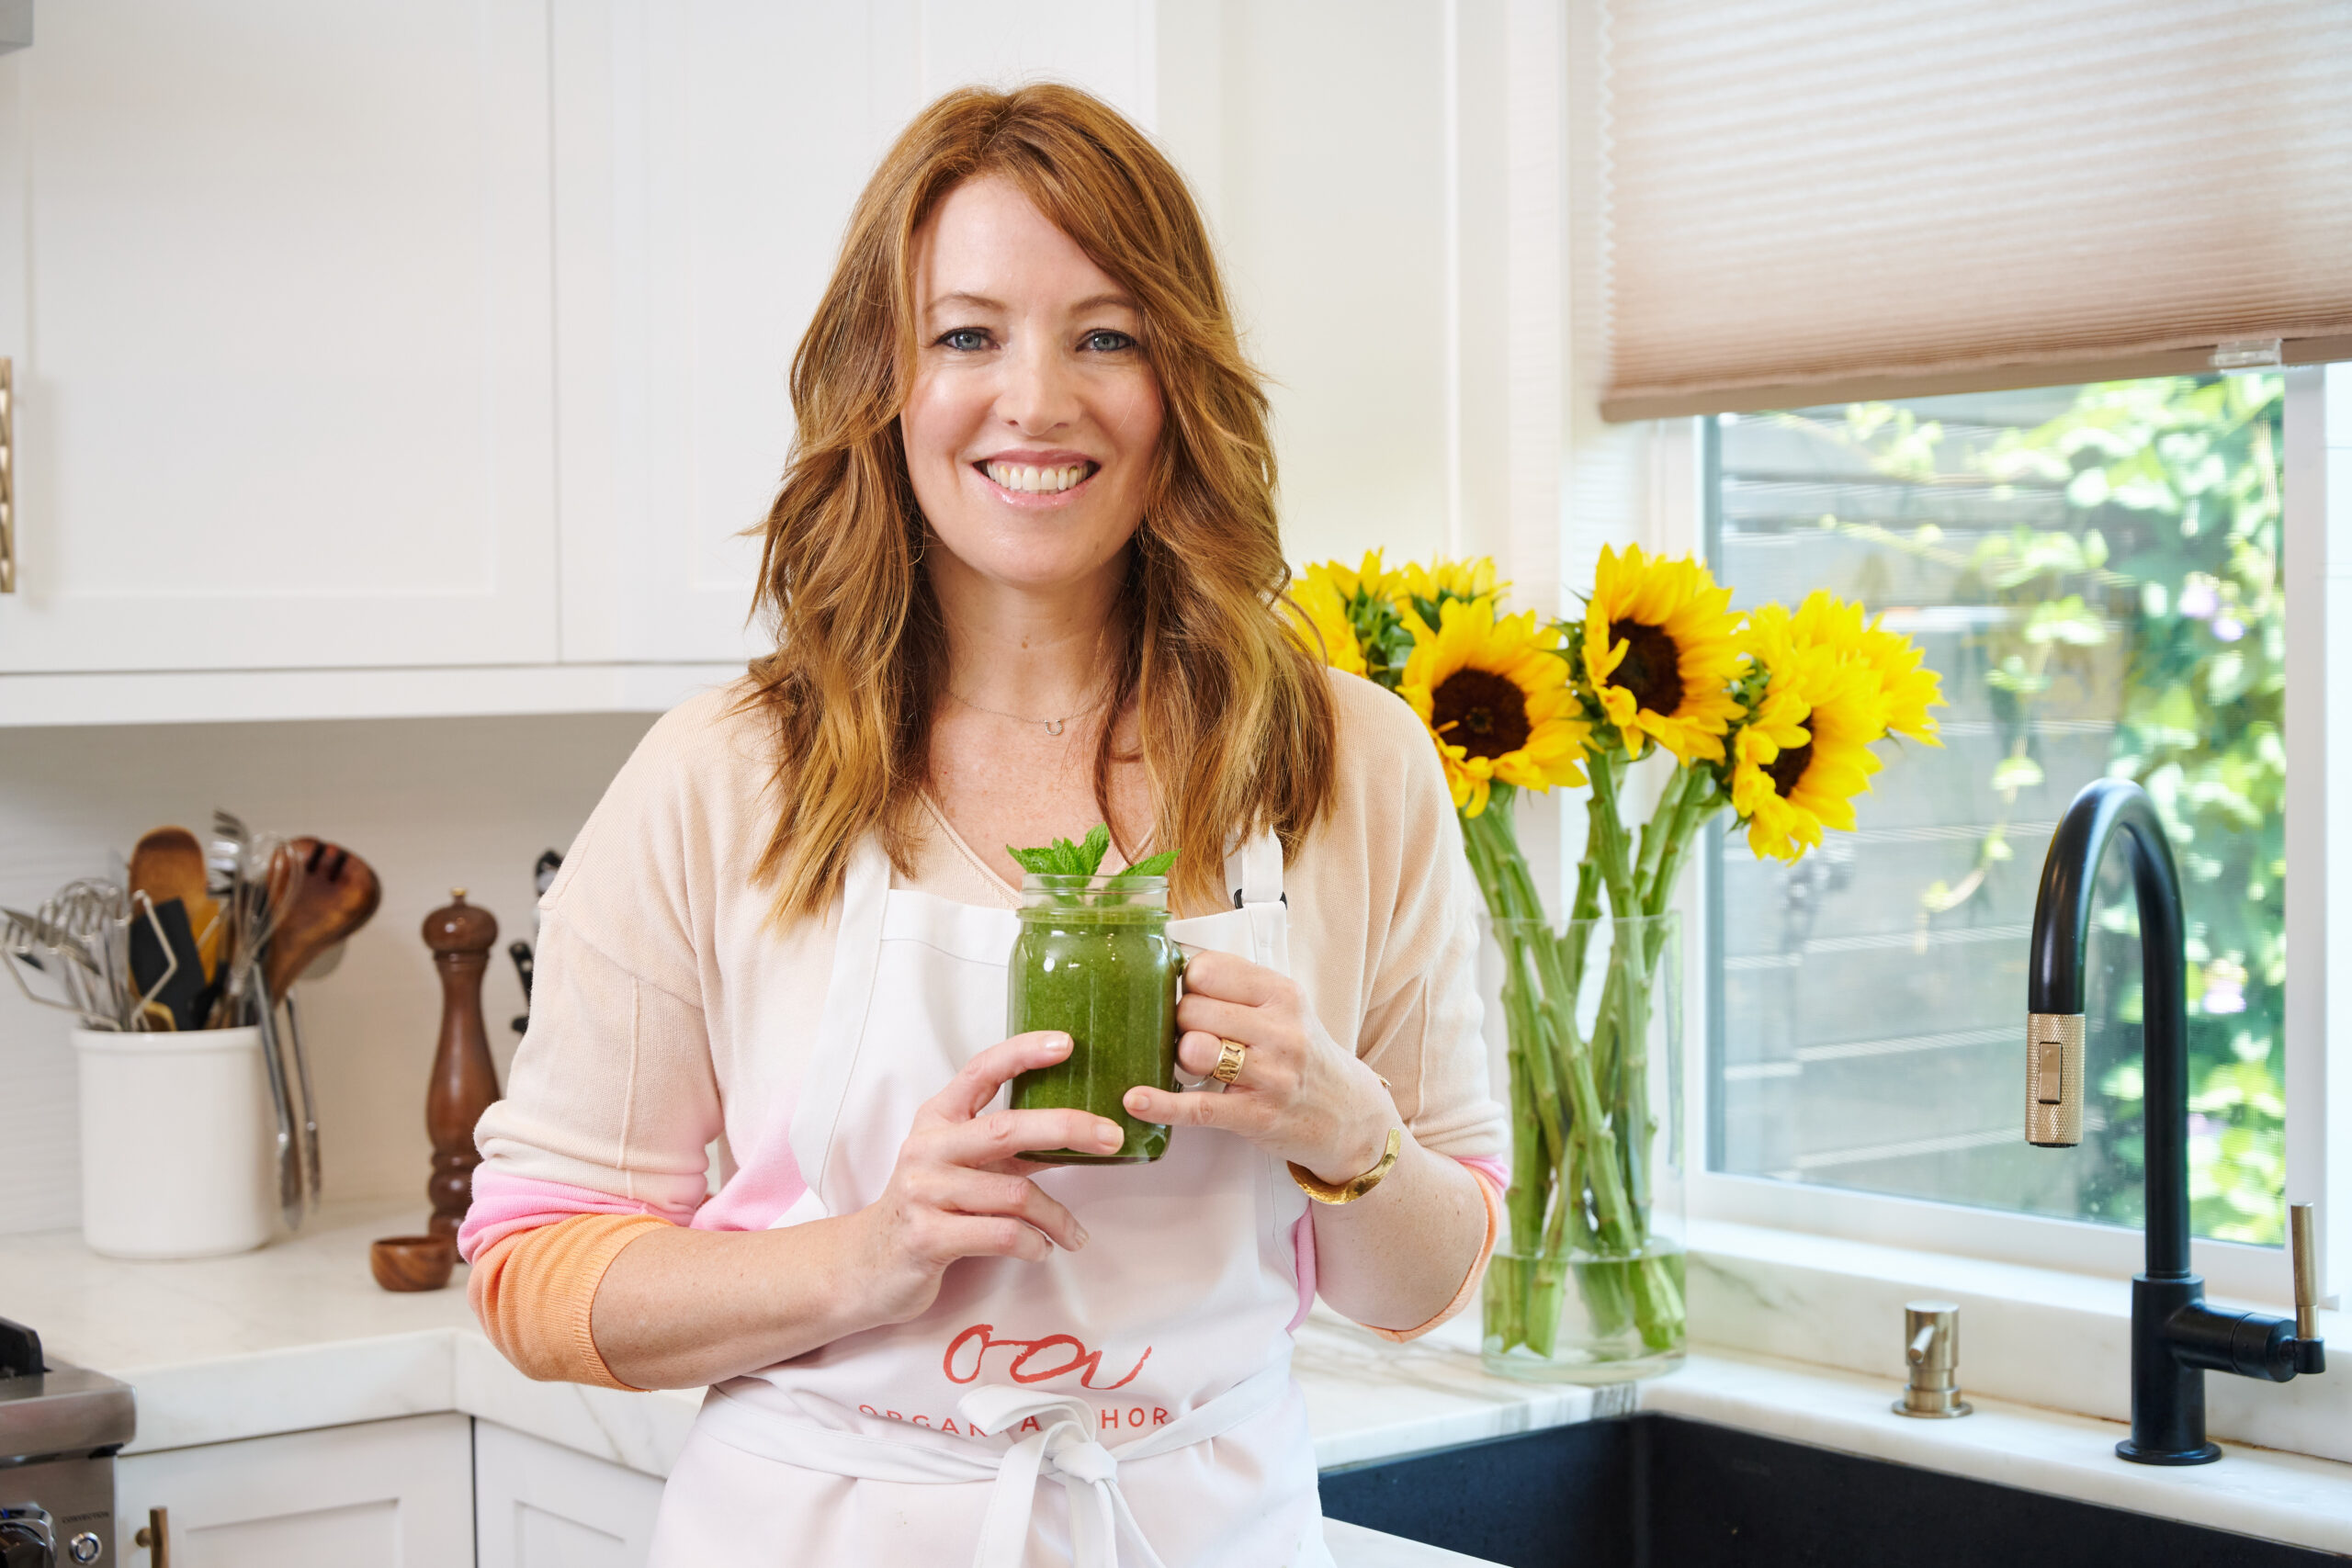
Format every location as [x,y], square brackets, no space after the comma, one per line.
[168,863]
[321,892]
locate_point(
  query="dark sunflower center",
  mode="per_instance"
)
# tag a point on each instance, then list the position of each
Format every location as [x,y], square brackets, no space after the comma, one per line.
[1483,712]
[1788,768]
[1652,669]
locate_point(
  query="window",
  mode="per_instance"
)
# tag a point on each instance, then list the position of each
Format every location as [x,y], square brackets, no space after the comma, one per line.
[2096,571]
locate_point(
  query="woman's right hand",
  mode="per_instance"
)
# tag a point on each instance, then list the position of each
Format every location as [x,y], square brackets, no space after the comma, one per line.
[961,1189]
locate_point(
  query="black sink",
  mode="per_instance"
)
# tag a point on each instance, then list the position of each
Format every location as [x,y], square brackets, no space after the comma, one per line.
[1654,1491]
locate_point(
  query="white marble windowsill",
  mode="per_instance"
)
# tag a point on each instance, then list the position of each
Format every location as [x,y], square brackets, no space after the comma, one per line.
[297,1336]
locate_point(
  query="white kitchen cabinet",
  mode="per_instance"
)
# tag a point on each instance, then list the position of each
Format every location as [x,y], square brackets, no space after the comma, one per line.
[378,1495]
[277,277]
[430,356]
[538,1506]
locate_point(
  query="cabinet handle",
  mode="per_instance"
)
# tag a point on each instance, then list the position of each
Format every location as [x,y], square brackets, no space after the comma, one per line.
[155,1535]
[8,475]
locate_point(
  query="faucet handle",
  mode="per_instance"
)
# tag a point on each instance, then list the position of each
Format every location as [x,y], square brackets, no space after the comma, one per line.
[2053,1079]
[2299,1241]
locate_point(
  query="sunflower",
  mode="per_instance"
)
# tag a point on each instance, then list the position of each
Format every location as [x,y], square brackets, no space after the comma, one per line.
[1908,691]
[1320,617]
[1803,753]
[1372,578]
[1660,649]
[1495,698]
[1443,579]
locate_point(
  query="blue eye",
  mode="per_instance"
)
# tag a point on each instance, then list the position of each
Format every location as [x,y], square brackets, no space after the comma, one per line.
[964,340]
[1108,341]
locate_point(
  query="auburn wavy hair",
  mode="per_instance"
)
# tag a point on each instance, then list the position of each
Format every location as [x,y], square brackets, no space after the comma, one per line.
[1234,721]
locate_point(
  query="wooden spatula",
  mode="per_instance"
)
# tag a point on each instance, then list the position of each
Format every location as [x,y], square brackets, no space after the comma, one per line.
[168,863]
[321,894]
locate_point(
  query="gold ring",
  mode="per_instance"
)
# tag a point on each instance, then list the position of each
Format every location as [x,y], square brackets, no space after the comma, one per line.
[1228,1061]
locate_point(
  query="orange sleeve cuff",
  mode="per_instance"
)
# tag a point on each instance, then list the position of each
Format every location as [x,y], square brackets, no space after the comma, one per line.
[533,1291]
[1494,1197]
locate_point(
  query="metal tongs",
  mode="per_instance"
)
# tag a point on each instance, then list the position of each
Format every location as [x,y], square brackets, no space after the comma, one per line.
[239,865]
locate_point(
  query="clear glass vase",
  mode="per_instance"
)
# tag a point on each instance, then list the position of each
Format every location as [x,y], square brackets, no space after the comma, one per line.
[1587,1286]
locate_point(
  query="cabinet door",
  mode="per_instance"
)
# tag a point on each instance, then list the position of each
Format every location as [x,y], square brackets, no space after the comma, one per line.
[538,1506]
[379,1495]
[277,280]
[699,207]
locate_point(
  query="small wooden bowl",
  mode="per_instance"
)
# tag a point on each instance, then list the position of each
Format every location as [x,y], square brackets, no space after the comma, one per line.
[413,1262]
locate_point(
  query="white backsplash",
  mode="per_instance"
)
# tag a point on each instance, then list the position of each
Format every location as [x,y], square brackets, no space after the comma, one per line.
[431,803]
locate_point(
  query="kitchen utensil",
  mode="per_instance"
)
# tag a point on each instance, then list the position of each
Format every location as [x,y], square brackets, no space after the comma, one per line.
[45,970]
[78,941]
[291,1175]
[413,1262]
[315,1175]
[323,893]
[233,860]
[319,893]
[168,863]
[169,964]
[520,952]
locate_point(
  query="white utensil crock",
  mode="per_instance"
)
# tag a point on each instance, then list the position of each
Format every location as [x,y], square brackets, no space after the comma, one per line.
[176,1140]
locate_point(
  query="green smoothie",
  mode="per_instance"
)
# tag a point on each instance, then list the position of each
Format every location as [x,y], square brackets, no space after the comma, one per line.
[1093,959]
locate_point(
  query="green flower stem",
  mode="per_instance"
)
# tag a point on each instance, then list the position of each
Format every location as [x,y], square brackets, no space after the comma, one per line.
[1580,1117]
[1607,833]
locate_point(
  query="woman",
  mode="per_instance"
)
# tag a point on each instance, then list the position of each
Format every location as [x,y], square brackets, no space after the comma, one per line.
[1025,573]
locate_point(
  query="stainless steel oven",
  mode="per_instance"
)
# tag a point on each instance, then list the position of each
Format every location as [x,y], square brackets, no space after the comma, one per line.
[60,1427]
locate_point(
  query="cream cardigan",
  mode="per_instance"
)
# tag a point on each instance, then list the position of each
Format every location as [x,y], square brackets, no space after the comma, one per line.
[671,1016]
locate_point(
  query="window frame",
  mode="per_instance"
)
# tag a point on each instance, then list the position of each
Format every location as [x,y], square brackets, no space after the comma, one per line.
[2317,537]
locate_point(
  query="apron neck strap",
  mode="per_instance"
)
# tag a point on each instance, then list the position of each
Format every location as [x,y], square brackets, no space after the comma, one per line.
[1255,869]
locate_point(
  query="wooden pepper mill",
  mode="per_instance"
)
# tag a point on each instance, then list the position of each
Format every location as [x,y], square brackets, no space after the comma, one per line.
[464,1080]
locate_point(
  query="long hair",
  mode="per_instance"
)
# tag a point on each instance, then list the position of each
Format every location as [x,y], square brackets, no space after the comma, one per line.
[1233,719]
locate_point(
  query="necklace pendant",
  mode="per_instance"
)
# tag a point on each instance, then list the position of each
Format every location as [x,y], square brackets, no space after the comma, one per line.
[1053,726]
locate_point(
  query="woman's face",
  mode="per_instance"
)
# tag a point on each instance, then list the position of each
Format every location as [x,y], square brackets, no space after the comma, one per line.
[1033,415]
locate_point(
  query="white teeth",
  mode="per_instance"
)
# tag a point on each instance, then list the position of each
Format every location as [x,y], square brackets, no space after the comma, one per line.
[1034,482]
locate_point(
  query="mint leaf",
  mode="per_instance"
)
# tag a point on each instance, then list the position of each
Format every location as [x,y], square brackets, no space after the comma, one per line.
[1150,865]
[1091,852]
[1063,858]
[1038,863]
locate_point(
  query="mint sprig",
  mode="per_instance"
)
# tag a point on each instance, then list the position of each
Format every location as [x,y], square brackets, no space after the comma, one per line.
[1084,858]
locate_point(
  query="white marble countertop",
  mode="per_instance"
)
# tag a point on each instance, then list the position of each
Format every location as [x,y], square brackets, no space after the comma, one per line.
[298,1336]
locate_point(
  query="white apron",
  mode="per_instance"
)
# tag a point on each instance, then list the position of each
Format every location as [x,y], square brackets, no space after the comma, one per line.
[1147,1374]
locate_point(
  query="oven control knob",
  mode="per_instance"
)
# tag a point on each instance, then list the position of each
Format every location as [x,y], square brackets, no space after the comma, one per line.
[84,1548]
[27,1539]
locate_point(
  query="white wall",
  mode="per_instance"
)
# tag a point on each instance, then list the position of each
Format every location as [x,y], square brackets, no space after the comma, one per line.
[430,804]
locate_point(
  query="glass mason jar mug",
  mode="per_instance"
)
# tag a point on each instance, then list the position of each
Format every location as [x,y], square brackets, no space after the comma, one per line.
[1095,960]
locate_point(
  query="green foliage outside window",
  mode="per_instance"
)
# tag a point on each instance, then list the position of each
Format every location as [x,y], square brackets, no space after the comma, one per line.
[2172,489]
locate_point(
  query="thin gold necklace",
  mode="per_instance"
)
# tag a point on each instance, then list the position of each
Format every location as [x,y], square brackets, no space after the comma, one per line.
[1052,725]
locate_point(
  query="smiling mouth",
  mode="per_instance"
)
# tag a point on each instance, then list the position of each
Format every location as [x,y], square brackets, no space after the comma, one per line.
[1025,480]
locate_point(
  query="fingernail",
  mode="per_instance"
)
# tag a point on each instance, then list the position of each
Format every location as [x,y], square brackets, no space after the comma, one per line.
[1109,1137]
[1059,1043]
[1080,1233]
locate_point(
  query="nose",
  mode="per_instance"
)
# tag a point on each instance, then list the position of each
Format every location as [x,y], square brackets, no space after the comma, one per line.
[1039,392]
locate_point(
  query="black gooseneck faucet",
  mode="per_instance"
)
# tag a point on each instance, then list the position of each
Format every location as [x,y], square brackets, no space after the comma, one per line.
[2176,1338]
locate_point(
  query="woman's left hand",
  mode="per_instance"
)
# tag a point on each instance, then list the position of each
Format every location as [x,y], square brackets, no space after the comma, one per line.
[1299,1096]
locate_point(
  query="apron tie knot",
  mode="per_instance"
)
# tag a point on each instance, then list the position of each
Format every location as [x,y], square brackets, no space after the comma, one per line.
[1088,1461]
[1065,1449]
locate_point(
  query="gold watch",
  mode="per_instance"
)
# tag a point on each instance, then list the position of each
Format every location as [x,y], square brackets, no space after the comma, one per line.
[1348,1192]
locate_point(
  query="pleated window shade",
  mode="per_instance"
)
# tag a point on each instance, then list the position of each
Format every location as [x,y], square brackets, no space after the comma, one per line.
[1813,201]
